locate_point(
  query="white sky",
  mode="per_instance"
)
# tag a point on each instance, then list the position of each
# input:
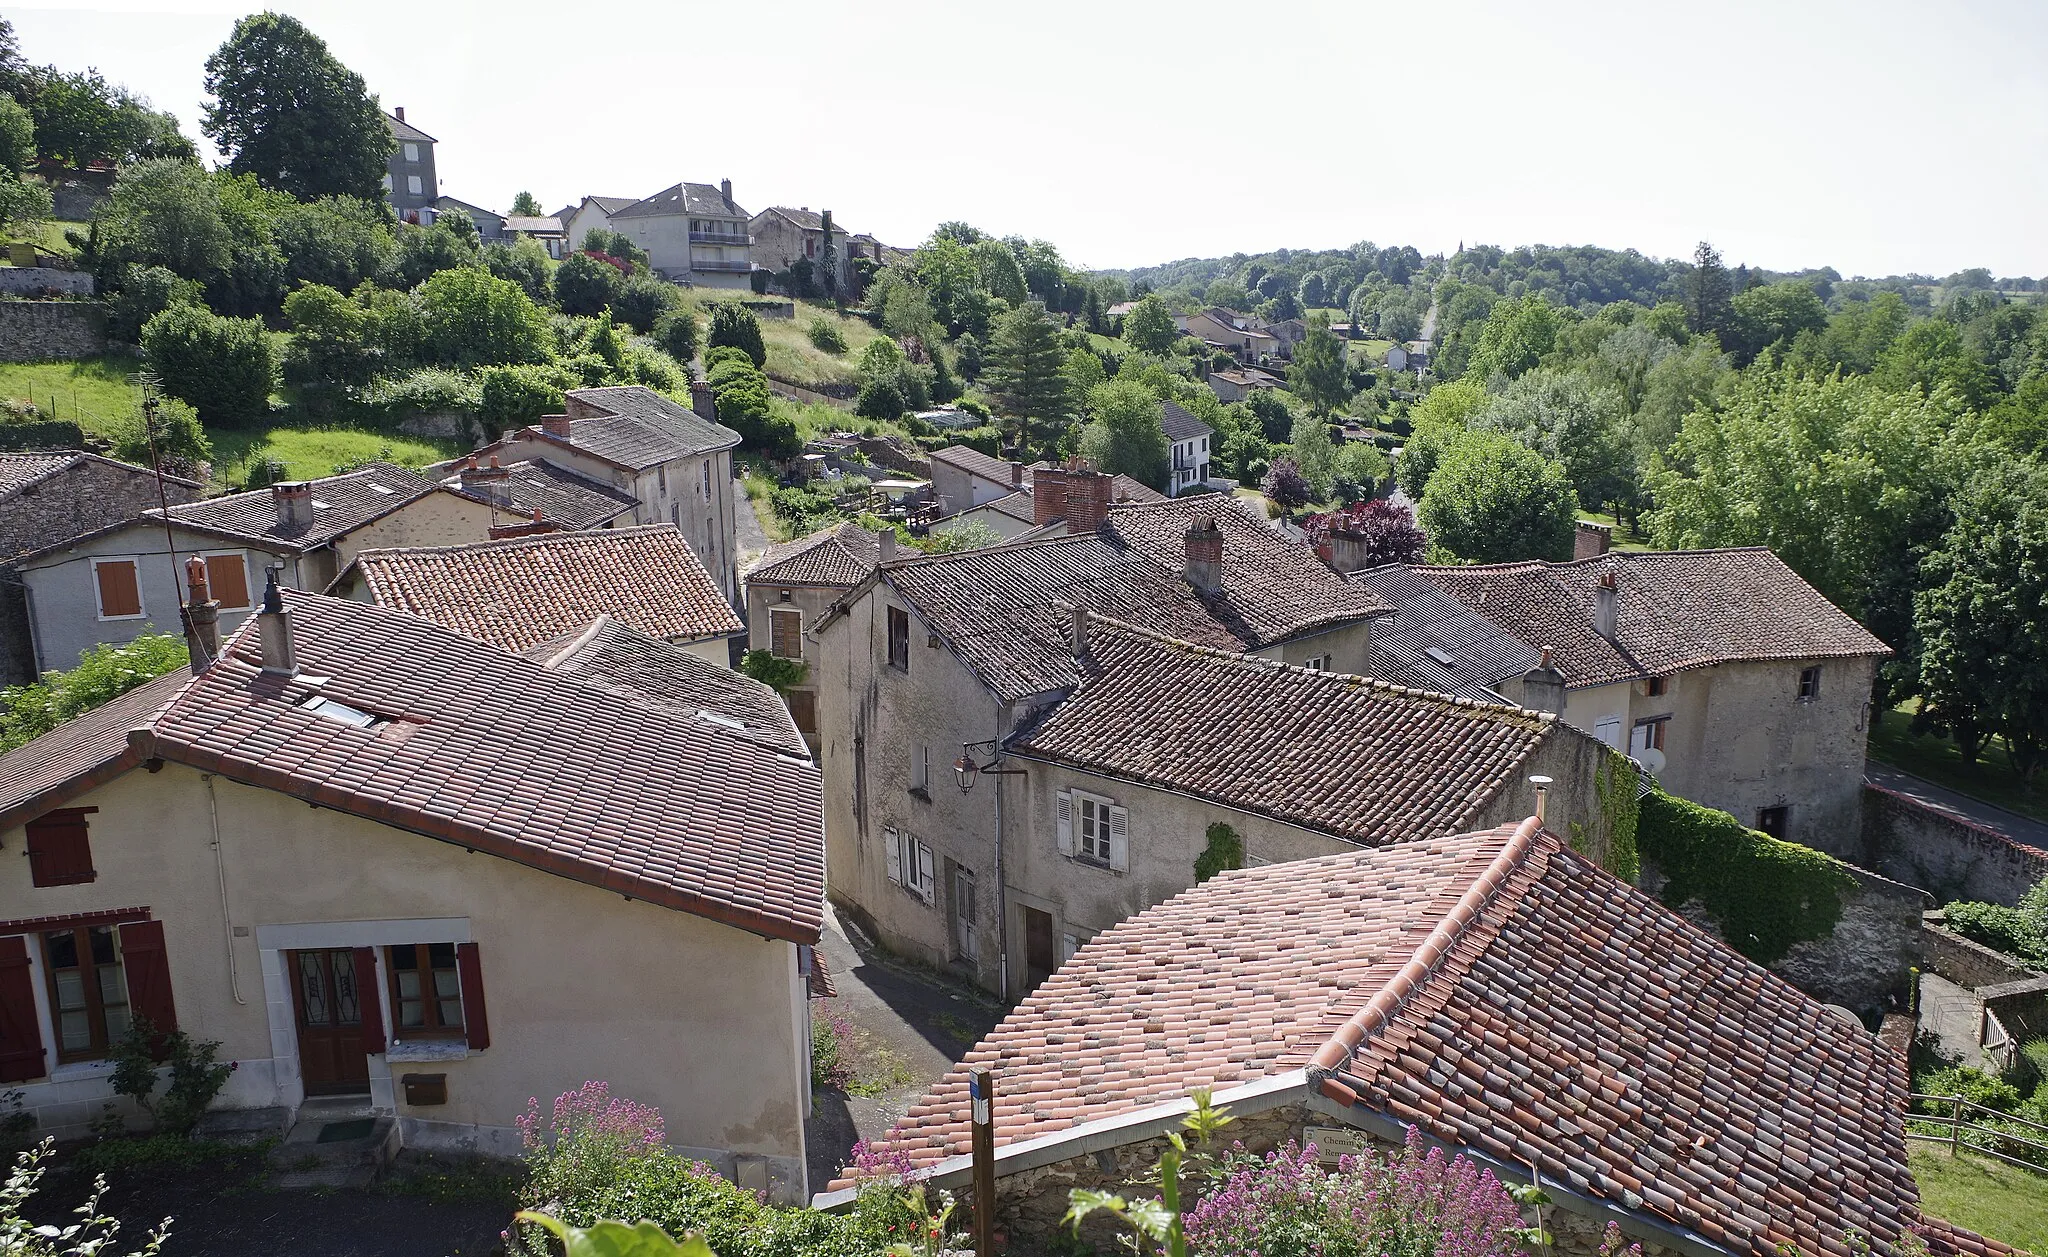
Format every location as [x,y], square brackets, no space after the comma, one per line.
[1876,136]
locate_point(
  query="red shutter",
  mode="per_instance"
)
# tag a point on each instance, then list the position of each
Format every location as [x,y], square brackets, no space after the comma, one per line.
[149,975]
[21,1037]
[369,1000]
[59,853]
[470,968]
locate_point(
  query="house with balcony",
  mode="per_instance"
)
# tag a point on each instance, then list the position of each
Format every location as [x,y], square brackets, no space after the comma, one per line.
[409,182]
[1189,438]
[694,233]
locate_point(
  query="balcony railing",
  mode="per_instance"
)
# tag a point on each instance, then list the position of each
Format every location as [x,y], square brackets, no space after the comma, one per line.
[739,239]
[697,264]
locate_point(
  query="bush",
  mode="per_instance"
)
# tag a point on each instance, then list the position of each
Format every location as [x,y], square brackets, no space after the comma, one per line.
[724,353]
[104,673]
[2000,928]
[586,285]
[93,1233]
[474,319]
[524,263]
[676,333]
[196,1075]
[642,300]
[880,400]
[425,391]
[733,324]
[180,440]
[512,397]
[224,367]
[1492,500]
[740,392]
[144,293]
[825,336]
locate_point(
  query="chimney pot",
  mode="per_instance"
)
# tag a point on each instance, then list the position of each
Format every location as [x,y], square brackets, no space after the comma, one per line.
[293,500]
[1542,785]
[725,188]
[1606,606]
[1202,546]
[202,616]
[492,482]
[274,628]
[1080,632]
[1048,496]
[1543,687]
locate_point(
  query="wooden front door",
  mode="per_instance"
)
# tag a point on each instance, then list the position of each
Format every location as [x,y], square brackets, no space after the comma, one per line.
[1038,953]
[329,1009]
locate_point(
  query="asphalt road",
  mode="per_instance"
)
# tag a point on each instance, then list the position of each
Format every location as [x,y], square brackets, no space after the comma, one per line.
[2022,829]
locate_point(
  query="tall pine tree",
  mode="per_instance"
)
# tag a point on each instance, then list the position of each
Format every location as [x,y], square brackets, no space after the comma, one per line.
[1709,297]
[1024,371]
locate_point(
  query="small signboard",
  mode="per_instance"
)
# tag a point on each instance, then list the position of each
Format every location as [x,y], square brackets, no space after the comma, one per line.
[1336,1142]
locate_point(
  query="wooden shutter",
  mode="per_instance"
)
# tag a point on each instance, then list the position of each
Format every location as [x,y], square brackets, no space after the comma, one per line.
[149,978]
[227,579]
[369,1000]
[1065,807]
[893,848]
[469,966]
[926,882]
[59,852]
[119,594]
[21,1035]
[1119,838]
[786,634]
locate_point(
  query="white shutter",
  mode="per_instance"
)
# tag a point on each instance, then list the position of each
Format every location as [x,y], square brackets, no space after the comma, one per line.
[894,849]
[926,884]
[1068,946]
[1119,838]
[1065,807]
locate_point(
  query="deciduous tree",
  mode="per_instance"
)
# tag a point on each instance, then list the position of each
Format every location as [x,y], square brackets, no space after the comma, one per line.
[1318,374]
[1149,328]
[1492,500]
[1126,434]
[525,205]
[285,110]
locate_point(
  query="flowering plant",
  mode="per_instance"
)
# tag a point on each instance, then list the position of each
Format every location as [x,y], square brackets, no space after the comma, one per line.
[584,1141]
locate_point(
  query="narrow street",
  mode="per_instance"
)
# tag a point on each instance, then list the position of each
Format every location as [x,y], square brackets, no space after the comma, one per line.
[2021,829]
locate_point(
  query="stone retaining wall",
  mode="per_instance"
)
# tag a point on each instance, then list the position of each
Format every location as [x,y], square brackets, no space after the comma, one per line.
[1967,963]
[39,331]
[37,281]
[1946,856]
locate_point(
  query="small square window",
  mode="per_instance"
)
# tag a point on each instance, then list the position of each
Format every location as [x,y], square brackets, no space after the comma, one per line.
[1809,683]
[426,991]
[412,152]
[119,590]
[1657,687]
[1775,821]
[59,849]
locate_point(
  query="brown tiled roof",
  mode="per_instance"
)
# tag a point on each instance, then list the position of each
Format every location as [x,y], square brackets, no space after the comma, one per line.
[1004,609]
[1677,609]
[1364,761]
[1503,993]
[608,653]
[841,556]
[1945,1239]
[480,748]
[341,504]
[20,470]
[975,463]
[560,495]
[520,592]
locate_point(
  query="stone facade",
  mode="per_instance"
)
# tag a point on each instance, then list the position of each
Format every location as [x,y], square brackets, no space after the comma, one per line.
[42,331]
[39,281]
[1942,854]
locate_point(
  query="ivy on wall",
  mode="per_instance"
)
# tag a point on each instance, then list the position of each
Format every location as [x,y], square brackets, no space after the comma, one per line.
[1766,895]
[1619,815]
[1225,851]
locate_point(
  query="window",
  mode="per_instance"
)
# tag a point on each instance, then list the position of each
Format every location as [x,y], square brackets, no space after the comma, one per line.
[88,996]
[810,248]
[1608,730]
[661,478]
[910,863]
[119,594]
[58,852]
[786,633]
[1648,735]
[227,578]
[413,185]
[1657,687]
[921,770]
[1093,828]
[426,993]
[899,639]
[707,480]
[1775,821]
[1809,683]
[387,183]
[412,152]
[1320,663]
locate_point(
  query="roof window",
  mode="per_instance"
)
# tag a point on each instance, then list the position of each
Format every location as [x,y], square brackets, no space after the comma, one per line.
[1439,654]
[342,712]
[720,719]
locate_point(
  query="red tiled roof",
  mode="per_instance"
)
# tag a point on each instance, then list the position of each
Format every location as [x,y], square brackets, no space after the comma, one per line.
[1364,761]
[842,556]
[477,747]
[524,591]
[1505,994]
[1676,609]
[1945,1239]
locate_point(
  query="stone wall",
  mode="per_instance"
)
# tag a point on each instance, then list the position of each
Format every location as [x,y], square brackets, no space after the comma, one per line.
[1967,963]
[37,331]
[1944,855]
[38,281]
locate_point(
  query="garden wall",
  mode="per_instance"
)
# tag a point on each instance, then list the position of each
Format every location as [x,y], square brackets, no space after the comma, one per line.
[1968,963]
[36,281]
[1944,855]
[38,331]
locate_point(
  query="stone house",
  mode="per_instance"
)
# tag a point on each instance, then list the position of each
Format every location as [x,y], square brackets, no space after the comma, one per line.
[937,653]
[1235,386]
[350,824]
[538,495]
[1032,514]
[694,233]
[793,585]
[409,182]
[1494,994]
[592,213]
[783,235]
[519,592]
[1721,671]
[52,496]
[1187,440]
[674,461]
[963,478]
[123,579]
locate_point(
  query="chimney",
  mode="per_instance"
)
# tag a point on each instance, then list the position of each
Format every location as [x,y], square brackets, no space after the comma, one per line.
[399,113]
[887,539]
[1087,500]
[1203,547]
[1592,540]
[493,483]
[557,426]
[1606,606]
[1543,687]
[274,626]
[725,189]
[1016,474]
[202,616]
[1080,632]
[1347,551]
[1542,785]
[700,401]
[294,502]
[1048,496]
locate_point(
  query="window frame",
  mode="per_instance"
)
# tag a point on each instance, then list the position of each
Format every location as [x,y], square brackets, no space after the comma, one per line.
[899,637]
[1784,818]
[414,186]
[1809,684]
[1653,728]
[1091,809]
[921,770]
[101,1034]
[432,1024]
[99,600]
[412,152]
[1318,663]
[1656,687]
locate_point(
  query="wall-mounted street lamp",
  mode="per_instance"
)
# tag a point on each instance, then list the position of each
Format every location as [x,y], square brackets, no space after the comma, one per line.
[965,770]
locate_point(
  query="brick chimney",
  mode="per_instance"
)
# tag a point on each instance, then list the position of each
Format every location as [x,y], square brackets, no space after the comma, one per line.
[1543,686]
[1048,496]
[294,502]
[399,113]
[492,482]
[1087,500]
[1016,474]
[725,189]
[1606,606]
[700,401]
[1203,547]
[1592,540]
[274,629]
[202,616]
[557,426]
[1080,632]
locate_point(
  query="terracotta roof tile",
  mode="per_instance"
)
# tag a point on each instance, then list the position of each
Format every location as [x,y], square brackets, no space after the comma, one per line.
[843,555]
[520,592]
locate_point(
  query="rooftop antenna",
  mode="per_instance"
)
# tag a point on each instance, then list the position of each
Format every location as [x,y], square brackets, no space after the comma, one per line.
[150,383]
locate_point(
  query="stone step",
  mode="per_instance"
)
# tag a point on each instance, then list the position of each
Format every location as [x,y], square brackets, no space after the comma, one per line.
[244,1126]
[302,1161]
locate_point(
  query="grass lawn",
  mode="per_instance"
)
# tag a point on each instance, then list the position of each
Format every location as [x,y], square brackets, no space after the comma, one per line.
[1989,1197]
[1373,352]
[93,391]
[1935,758]
[50,238]
[1625,538]
[792,358]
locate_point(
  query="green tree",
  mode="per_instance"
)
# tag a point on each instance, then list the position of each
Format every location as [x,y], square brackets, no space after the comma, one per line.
[1438,420]
[163,213]
[338,241]
[512,397]
[1563,417]
[1149,328]
[286,111]
[1775,314]
[143,292]
[1084,371]
[1492,500]
[224,367]
[643,299]
[447,243]
[585,285]
[525,205]
[1314,454]
[1929,355]
[475,319]
[999,273]
[745,404]
[1709,296]
[24,204]
[17,137]
[1318,375]
[676,333]
[733,324]
[1516,336]
[1024,372]
[524,263]
[181,441]
[331,345]
[1127,434]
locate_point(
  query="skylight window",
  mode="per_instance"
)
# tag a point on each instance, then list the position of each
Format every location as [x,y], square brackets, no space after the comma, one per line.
[341,711]
[720,719]
[318,505]
[1439,654]
[378,488]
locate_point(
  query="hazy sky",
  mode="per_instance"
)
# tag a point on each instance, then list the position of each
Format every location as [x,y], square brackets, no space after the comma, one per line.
[1875,137]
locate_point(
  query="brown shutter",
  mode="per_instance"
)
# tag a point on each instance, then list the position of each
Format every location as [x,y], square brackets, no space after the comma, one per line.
[149,976]
[119,594]
[227,578]
[369,1000]
[59,853]
[470,968]
[21,1037]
